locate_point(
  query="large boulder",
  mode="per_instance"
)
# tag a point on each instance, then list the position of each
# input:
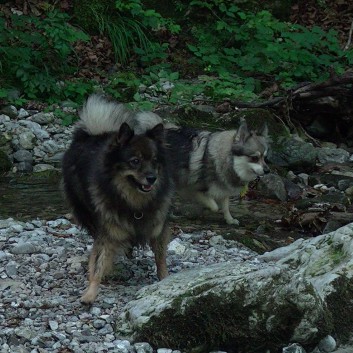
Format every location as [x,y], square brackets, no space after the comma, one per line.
[299,293]
[293,153]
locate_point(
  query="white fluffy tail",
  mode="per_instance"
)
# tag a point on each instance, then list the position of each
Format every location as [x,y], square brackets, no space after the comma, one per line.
[99,116]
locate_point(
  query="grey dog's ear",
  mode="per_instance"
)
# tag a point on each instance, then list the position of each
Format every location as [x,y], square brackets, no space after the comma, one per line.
[243,132]
[263,131]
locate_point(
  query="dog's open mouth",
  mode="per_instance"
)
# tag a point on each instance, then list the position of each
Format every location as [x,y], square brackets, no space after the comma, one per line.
[146,188]
[142,187]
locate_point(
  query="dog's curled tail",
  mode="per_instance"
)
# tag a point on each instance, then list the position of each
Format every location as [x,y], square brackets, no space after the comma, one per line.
[99,116]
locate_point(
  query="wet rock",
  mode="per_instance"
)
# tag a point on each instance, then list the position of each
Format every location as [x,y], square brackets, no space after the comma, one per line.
[43,118]
[294,348]
[11,269]
[42,167]
[294,191]
[23,156]
[293,153]
[24,167]
[331,226]
[24,248]
[22,113]
[272,186]
[27,139]
[332,155]
[176,247]
[349,192]
[315,274]
[327,344]
[143,347]
[10,111]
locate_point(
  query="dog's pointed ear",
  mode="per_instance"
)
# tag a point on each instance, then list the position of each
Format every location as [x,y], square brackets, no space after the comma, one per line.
[124,135]
[264,131]
[243,132]
[157,133]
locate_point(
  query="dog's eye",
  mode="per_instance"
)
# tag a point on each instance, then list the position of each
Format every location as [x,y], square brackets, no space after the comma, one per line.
[254,159]
[134,162]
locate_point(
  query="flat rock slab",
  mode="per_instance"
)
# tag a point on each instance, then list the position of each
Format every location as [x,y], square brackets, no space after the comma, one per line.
[299,293]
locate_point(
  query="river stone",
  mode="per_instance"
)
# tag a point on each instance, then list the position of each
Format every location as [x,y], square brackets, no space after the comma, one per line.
[298,293]
[272,186]
[24,248]
[332,155]
[43,118]
[327,344]
[27,139]
[24,167]
[22,113]
[9,110]
[42,167]
[293,153]
[5,138]
[23,156]
[294,348]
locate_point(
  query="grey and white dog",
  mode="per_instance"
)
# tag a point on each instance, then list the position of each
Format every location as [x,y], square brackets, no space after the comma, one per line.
[212,166]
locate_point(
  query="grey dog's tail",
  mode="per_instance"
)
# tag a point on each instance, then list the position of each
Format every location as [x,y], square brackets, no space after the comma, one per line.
[99,116]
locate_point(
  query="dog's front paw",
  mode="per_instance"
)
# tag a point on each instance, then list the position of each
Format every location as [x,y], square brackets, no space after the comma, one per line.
[231,220]
[89,295]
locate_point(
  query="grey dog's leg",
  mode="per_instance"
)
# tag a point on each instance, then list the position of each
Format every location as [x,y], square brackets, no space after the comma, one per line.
[207,201]
[226,213]
[100,262]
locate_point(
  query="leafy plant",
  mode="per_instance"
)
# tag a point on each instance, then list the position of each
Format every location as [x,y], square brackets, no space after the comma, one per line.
[258,45]
[124,33]
[35,52]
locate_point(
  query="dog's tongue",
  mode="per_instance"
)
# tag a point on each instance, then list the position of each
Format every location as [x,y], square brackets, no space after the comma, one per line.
[147,187]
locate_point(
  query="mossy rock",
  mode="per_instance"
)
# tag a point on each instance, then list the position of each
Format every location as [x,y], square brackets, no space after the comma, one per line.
[5,163]
[206,117]
[196,116]
[224,306]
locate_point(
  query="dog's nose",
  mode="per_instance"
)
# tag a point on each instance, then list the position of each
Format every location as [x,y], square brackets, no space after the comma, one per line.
[151,179]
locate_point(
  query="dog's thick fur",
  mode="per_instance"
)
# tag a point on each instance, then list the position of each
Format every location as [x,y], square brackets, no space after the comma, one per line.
[116,179]
[212,166]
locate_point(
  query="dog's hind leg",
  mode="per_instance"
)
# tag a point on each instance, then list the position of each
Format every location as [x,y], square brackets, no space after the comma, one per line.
[207,201]
[226,213]
[100,262]
[159,247]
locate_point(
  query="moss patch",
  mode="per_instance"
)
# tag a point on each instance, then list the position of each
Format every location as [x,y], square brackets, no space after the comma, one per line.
[213,322]
[341,305]
[5,163]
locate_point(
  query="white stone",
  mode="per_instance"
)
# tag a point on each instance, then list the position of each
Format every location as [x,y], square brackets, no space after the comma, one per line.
[176,247]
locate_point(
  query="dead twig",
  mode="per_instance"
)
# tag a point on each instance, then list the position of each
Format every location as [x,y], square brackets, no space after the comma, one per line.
[349,41]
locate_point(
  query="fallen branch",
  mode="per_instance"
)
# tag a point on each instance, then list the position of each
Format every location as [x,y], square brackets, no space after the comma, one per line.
[349,41]
[332,86]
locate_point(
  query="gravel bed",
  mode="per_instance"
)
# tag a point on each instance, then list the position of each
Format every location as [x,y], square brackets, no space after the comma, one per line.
[43,268]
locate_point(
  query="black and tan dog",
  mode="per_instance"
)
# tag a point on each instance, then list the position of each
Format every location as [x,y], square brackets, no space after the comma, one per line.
[116,179]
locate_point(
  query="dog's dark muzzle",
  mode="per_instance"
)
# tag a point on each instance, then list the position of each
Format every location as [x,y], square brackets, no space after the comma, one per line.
[151,179]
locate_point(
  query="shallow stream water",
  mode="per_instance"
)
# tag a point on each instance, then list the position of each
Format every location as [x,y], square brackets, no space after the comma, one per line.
[25,198]
[31,197]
